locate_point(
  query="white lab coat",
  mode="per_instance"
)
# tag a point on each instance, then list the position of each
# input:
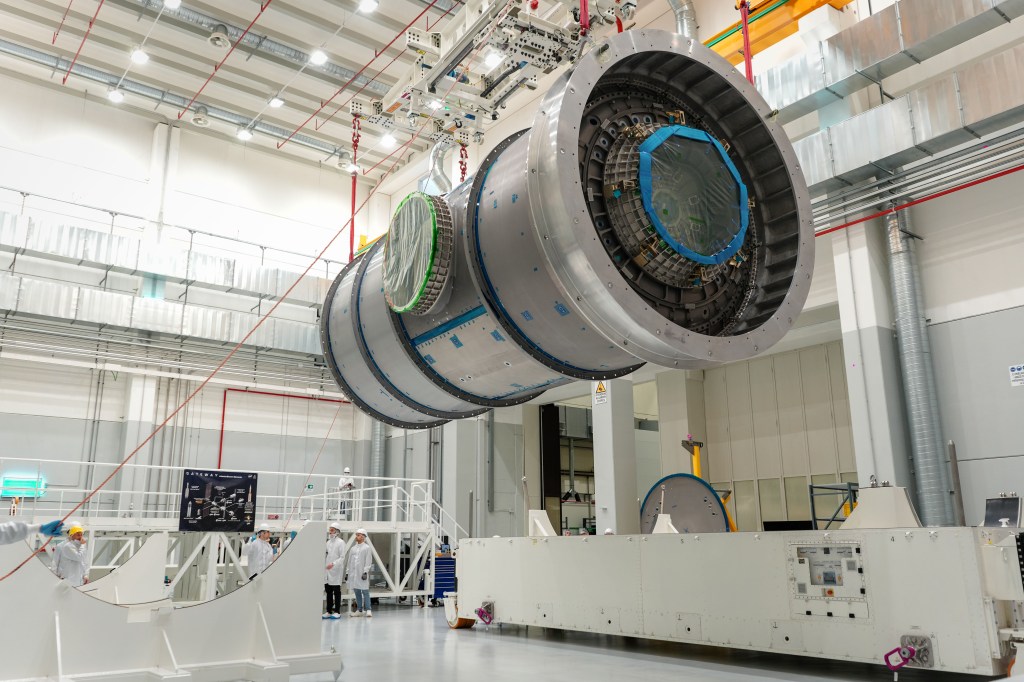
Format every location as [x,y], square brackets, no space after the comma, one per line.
[259,554]
[346,483]
[16,530]
[71,563]
[335,555]
[360,559]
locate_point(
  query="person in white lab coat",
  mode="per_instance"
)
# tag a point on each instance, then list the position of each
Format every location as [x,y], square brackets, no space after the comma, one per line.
[334,571]
[70,560]
[346,484]
[360,559]
[258,553]
[13,531]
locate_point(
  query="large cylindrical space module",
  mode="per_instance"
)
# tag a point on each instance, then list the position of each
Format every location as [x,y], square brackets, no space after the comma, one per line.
[654,212]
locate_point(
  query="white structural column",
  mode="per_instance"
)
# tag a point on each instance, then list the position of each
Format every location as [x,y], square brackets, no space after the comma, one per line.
[461,491]
[140,411]
[615,457]
[873,376]
[680,415]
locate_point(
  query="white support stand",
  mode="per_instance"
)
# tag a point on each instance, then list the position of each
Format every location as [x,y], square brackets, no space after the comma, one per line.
[664,524]
[540,525]
[138,580]
[265,631]
[887,507]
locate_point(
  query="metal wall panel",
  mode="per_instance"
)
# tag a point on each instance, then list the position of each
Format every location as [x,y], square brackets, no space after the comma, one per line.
[210,269]
[792,432]
[13,231]
[301,337]
[741,421]
[879,136]
[716,409]
[10,285]
[992,91]
[764,405]
[164,262]
[104,307]
[205,323]
[797,80]
[869,49]
[931,27]
[821,438]
[52,299]
[253,278]
[935,109]
[156,315]
[815,154]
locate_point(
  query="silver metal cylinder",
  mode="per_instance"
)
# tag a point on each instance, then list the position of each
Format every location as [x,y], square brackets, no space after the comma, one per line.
[653,213]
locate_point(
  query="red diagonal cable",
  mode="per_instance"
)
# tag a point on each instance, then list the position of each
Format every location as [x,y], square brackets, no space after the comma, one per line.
[92,21]
[312,468]
[259,323]
[357,74]
[263,7]
[62,20]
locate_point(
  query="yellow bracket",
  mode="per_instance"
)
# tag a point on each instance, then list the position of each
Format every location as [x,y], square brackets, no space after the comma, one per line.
[770,21]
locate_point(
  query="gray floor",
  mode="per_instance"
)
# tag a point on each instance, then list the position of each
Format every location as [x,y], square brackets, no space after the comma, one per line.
[404,643]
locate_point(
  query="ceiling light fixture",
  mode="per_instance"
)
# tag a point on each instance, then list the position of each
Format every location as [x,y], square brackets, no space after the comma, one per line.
[276,102]
[493,59]
[367,6]
[244,134]
[388,140]
[172,4]
[318,58]
[139,56]
[434,104]
[115,96]
[352,168]
[201,117]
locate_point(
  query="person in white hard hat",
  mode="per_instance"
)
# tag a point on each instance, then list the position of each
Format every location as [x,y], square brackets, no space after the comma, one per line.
[13,531]
[360,559]
[609,531]
[258,553]
[346,484]
[70,561]
[334,571]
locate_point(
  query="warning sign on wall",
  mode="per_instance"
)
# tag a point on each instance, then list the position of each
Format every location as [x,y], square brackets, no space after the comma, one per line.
[600,393]
[1017,375]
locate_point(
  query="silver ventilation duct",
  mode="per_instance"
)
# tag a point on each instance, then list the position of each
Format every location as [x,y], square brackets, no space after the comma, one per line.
[265,44]
[927,447]
[686,17]
[652,213]
[436,181]
[161,96]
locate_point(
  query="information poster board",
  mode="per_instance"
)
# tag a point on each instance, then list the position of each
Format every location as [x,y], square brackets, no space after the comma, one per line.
[218,501]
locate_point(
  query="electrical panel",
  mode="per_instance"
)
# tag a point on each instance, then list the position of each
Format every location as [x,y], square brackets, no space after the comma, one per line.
[827,581]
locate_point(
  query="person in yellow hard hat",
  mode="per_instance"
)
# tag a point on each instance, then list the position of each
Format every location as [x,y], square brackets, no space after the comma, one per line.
[70,561]
[18,530]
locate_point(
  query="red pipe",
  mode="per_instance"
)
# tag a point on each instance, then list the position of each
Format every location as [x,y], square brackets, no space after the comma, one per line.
[584,17]
[62,19]
[224,409]
[915,202]
[401,34]
[747,57]
[263,7]
[92,21]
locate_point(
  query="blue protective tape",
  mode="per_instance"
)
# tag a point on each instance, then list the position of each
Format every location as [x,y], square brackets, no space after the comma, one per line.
[646,193]
[449,325]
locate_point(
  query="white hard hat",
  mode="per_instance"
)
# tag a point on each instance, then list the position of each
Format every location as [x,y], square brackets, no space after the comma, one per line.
[362,532]
[263,527]
[346,470]
[336,526]
[609,531]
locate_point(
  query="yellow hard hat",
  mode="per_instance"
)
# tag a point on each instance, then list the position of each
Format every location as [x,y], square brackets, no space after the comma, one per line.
[75,528]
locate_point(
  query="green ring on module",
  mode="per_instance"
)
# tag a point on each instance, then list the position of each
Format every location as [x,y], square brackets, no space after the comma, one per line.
[433,252]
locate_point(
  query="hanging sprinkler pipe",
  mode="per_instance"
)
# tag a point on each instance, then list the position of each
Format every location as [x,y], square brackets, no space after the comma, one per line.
[584,17]
[745,21]
[88,31]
